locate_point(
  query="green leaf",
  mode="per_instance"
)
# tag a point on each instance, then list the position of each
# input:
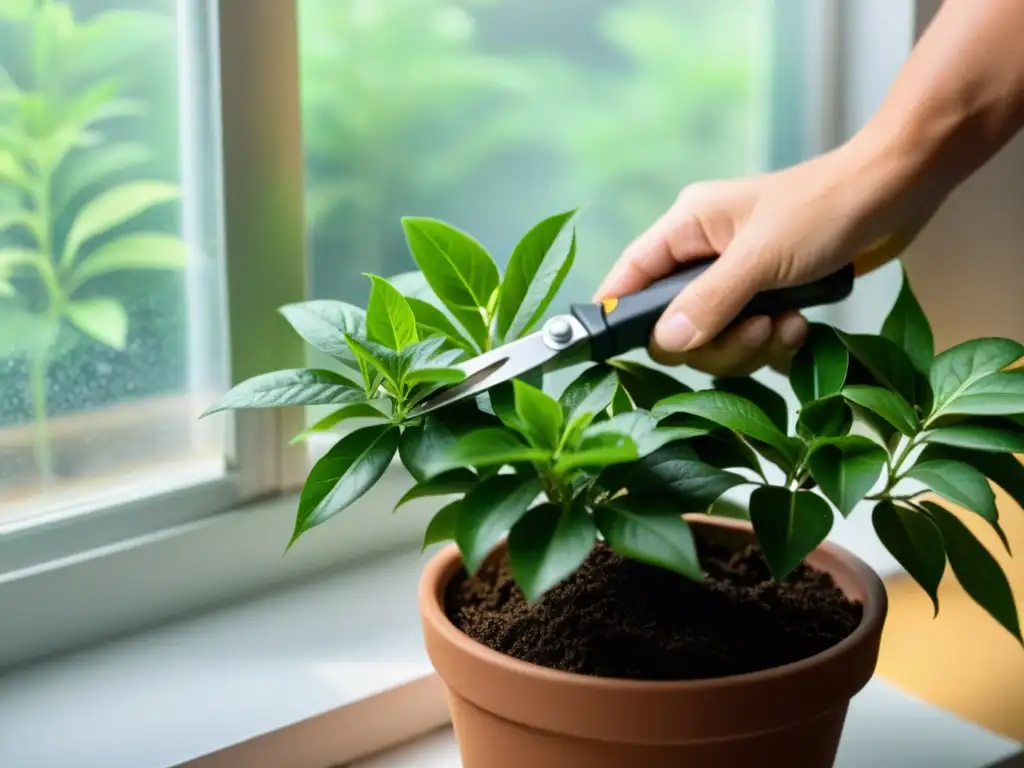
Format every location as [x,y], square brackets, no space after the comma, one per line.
[431,321]
[963,485]
[421,446]
[994,435]
[434,376]
[890,406]
[502,398]
[726,450]
[24,333]
[789,525]
[768,400]
[333,419]
[732,412]
[828,417]
[907,327]
[915,542]
[521,292]
[324,324]
[102,319]
[485,448]
[87,169]
[886,363]
[446,484]
[389,318]
[461,273]
[347,471]
[673,472]
[376,357]
[441,527]
[957,369]
[1004,470]
[976,570]
[548,544]
[819,367]
[489,511]
[573,432]
[298,386]
[641,427]
[132,252]
[997,394]
[846,468]
[540,416]
[646,386]
[112,208]
[590,392]
[598,451]
[7,290]
[621,402]
[650,532]
[550,279]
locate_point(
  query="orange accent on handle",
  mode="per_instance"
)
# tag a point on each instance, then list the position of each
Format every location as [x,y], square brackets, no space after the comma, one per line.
[609,304]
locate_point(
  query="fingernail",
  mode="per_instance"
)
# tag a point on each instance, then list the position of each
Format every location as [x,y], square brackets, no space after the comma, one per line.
[793,331]
[756,332]
[675,333]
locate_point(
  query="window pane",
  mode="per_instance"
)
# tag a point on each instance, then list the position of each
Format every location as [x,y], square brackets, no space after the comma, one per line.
[108,289]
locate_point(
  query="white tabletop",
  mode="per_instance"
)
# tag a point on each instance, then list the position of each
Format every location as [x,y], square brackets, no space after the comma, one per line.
[884,729]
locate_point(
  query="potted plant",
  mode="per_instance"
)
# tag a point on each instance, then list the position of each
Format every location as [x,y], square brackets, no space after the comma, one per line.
[619,623]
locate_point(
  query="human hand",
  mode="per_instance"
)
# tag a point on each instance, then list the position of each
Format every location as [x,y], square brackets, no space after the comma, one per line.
[774,230]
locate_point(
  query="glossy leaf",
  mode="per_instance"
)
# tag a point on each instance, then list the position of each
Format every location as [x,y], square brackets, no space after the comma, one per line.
[487,447]
[489,511]
[650,532]
[621,402]
[446,484]
[298,386]
[997,394]
[888,365]
[673,472]
[573,432]
[324,324]
[459,270]
[132,252]
[962,485]
[598,451]
[88,169]
[959,368]
[890,406]
[103,319]
[422,446]
[912,538]
[502,397]
[1004,470]
[112,208]
[441,527]
[976,570]
[330,421]
[646,386]
[539,416]
[846,469]
[521,291]
[988,435]
[828,417]
[726,450]
[768,400]
[819,367]
[432,321]
[548,544]
[907,327]
[550,279]
[389,318]
[789,525]
[344,473]
[590,392]
[376,357]
[641,427]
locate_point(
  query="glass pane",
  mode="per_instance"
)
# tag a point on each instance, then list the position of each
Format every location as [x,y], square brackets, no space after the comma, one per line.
[105,273]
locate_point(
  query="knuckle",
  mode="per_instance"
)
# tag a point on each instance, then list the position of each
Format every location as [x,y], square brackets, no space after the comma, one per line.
[694,193]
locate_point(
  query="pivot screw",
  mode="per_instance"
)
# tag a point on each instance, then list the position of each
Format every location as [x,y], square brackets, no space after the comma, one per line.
[560,331]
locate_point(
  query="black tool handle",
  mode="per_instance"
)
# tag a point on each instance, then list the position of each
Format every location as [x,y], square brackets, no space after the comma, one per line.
[617,326]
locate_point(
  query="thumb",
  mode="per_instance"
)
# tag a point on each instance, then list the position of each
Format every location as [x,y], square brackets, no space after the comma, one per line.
[709,303]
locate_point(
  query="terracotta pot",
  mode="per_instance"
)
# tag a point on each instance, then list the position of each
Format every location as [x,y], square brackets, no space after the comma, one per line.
[510,714]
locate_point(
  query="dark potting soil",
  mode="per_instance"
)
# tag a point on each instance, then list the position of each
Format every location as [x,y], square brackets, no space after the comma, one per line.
[619,618]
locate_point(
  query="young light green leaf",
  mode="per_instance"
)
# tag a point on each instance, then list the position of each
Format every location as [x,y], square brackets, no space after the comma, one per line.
[346,472]
[433,376]
[521,291]
[113,207]
[488,447]
[573,432]
[641,427]
[732,412]
[88,169]
[330,421]
[768,400]
[963,485]
[673,472]
[907,327]
[324,324]
[102,319]
[828,417]
[298,386]
[590,392]
[548,544]
[959,368]
[502,397]
[819,367]
[376,357]
[886,363]
[990,435]
[889,405]
[454,481]
[915,542]
[131,252]
[997,394]
[598,451]
[846,468]
[789,525]
[539,416]
[489,511]
[389,318]
[646,386]
[1004,470]
[976,570]
[550,279]
[431,321]
[458,269]
[651,532]
[441,527]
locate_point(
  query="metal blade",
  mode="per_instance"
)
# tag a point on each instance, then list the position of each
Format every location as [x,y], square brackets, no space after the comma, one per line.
[511,360]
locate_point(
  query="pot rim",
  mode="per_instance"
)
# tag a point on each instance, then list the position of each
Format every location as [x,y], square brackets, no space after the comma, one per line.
[443,566]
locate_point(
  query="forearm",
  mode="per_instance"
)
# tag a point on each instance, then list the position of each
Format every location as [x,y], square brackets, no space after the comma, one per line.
[960,96]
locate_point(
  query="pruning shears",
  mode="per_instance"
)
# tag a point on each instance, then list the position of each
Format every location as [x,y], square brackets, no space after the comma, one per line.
[595,332]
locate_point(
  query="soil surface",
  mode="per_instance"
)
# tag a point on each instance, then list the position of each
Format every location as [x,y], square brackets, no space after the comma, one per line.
[618,618]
